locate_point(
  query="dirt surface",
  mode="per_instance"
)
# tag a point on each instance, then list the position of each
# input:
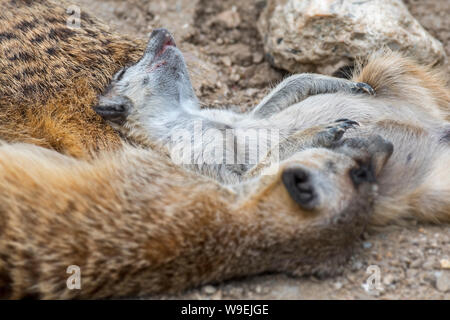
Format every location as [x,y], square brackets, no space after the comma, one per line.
[226,59]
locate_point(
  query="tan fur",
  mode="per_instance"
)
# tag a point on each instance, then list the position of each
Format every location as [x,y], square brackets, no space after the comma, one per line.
[133,222]
[51,76]
[393,75]
[136,224]
[415,184]
[397,78]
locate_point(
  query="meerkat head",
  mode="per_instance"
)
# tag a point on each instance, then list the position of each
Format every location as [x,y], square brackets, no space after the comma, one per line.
[158,81]
[324,196]
[327,180]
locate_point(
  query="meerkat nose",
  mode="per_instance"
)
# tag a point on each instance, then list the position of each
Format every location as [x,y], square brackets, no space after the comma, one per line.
[299,184]
[164,34]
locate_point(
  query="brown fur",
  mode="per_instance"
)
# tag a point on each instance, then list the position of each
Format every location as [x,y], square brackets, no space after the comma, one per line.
[393,75]
[51,75]
[133,222]
[136,224]
[398,78]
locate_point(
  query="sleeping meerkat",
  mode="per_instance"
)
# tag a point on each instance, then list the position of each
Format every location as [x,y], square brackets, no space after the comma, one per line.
[136,224]
[153,100]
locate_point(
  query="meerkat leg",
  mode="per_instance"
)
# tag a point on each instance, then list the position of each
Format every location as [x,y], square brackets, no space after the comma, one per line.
[134,224]
[299,87]
[317,136]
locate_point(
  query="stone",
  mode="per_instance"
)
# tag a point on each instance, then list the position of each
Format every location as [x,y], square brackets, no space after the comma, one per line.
[234,77]
[416,264]
[445,264]
[338,285]
[251,92]
[205,75]
[258,57]
[170,14]
[226,60]
[411,275]
[209,290]
[367,245]
[443,281]
[389,279]
[240,53]
[230,18]
[323,36]
[429,264]
[357,265]
[262,76]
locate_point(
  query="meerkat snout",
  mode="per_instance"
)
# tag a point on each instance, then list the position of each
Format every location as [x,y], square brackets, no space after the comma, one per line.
[115,109]
[300,187]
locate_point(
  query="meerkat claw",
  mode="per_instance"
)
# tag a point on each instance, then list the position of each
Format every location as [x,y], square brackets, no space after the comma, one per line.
[334,132]
[346,123]
[362,87]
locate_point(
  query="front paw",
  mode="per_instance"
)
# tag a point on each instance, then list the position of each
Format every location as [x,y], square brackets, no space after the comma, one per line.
[334,132]
[361,87]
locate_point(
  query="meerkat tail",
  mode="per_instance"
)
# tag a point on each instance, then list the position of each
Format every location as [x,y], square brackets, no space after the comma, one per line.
[393,75]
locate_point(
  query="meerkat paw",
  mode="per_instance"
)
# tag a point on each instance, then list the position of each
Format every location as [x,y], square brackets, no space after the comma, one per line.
[335,131]
[362,87]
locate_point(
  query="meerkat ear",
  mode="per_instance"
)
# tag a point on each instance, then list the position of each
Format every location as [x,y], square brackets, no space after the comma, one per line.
[381,151]
[115,110]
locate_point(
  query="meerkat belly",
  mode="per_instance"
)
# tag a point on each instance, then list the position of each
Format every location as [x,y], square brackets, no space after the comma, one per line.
[414,134]
[328,107]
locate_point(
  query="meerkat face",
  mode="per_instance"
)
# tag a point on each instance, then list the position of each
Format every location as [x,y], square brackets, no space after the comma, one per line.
[158,80]
[329,180]
[323,196]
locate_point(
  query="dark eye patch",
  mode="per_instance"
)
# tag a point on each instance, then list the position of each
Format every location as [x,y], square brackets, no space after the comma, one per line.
[120,74]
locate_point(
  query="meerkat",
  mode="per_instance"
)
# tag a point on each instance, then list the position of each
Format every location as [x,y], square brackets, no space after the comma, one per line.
[133,221]
[153,100]
[135,224]
[51,74]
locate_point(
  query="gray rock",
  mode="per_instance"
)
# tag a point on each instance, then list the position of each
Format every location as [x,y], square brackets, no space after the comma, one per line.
[445,263]
[230,18]
[322,36]
[258,57]
[389,279]
[205,76]
[209,290]
[367,245]
[429,264]
[416,263]
[338,285]
[357,265]
[443,281]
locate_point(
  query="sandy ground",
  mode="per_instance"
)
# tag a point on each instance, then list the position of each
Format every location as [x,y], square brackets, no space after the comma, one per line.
[220,35]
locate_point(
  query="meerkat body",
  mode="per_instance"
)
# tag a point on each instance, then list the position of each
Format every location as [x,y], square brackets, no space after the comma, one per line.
[410,109]
[134,223]
[137,224]
[52,73]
